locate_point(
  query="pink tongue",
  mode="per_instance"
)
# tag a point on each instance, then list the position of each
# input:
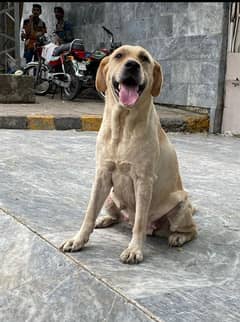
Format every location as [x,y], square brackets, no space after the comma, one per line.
[128,95]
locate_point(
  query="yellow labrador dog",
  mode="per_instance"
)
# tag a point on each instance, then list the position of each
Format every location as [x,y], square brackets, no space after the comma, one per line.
[137,175]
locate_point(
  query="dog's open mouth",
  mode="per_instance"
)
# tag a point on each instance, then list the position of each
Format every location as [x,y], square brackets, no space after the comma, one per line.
[128,91]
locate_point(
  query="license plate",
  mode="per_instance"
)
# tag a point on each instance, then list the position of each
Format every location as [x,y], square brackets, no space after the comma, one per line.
[82,66]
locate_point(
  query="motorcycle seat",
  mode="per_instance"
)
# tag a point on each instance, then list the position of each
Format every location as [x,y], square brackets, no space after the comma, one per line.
[59,50]
[76,44]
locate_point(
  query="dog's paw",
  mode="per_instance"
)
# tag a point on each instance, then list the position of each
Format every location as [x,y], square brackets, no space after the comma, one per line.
[131,255]
[73,245]
[105,221]
[177,239]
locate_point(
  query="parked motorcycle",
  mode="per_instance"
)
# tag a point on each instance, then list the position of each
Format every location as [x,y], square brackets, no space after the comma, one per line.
[51,72]
[86,65]
[68,66]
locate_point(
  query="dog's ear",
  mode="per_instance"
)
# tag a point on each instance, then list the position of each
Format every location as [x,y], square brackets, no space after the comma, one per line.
[157,79]
[100,82]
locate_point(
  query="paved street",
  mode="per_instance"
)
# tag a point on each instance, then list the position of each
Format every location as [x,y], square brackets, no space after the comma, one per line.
[46,178]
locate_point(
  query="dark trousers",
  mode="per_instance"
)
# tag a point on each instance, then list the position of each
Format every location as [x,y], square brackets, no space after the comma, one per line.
[29,54]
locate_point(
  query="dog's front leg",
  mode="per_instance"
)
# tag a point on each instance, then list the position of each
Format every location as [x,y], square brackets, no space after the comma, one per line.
[100,190]
[134,253]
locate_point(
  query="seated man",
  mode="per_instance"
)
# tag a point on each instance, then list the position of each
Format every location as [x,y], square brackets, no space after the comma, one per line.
[63,32]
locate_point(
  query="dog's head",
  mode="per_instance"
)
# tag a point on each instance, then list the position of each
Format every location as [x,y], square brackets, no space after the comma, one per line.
[129,74]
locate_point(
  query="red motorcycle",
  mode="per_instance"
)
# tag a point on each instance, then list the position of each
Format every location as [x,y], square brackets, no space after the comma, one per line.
[87,63]
[68,66]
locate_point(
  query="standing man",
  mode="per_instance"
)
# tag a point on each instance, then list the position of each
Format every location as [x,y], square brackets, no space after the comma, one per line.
[33,27]
[64,32]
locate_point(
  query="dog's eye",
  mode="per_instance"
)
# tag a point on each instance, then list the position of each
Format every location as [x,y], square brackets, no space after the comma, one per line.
[144,58]
[118,56]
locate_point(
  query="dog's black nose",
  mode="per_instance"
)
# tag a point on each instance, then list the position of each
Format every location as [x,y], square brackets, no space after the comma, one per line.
[132,65]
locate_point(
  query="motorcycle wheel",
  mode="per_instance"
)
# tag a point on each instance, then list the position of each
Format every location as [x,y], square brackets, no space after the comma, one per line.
[72,91]
[41,83]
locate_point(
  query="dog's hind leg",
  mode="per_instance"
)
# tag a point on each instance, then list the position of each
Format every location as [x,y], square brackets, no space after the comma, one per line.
[182,226]
[112,215]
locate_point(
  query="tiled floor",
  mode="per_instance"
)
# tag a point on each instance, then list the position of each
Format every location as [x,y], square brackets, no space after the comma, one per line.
[46,178]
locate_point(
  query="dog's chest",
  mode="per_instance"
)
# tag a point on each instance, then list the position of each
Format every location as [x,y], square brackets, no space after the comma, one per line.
[118,167]
[123,172]
[123,184]
[129,157]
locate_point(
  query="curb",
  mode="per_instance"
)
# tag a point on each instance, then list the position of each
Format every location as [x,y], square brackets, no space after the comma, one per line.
[197,124]
[50,122]
[191,124]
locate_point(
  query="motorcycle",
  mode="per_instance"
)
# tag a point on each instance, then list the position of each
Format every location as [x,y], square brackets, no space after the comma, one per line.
[86,65]
[51,72]
[68,66]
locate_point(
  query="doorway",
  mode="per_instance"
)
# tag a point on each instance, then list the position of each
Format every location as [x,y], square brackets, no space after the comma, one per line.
[231,112]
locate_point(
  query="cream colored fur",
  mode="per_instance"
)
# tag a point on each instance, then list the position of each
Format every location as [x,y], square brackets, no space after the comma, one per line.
[137,174]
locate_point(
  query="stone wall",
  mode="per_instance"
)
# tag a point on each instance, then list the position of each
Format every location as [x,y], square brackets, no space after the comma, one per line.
[187,38]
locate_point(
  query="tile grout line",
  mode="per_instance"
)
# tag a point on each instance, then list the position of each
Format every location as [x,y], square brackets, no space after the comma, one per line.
[85,268]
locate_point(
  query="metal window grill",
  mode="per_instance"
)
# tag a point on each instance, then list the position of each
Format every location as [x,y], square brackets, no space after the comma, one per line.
[234,27]
[9,36]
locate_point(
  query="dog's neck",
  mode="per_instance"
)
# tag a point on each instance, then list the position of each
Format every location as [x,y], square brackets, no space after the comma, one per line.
[122,122]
